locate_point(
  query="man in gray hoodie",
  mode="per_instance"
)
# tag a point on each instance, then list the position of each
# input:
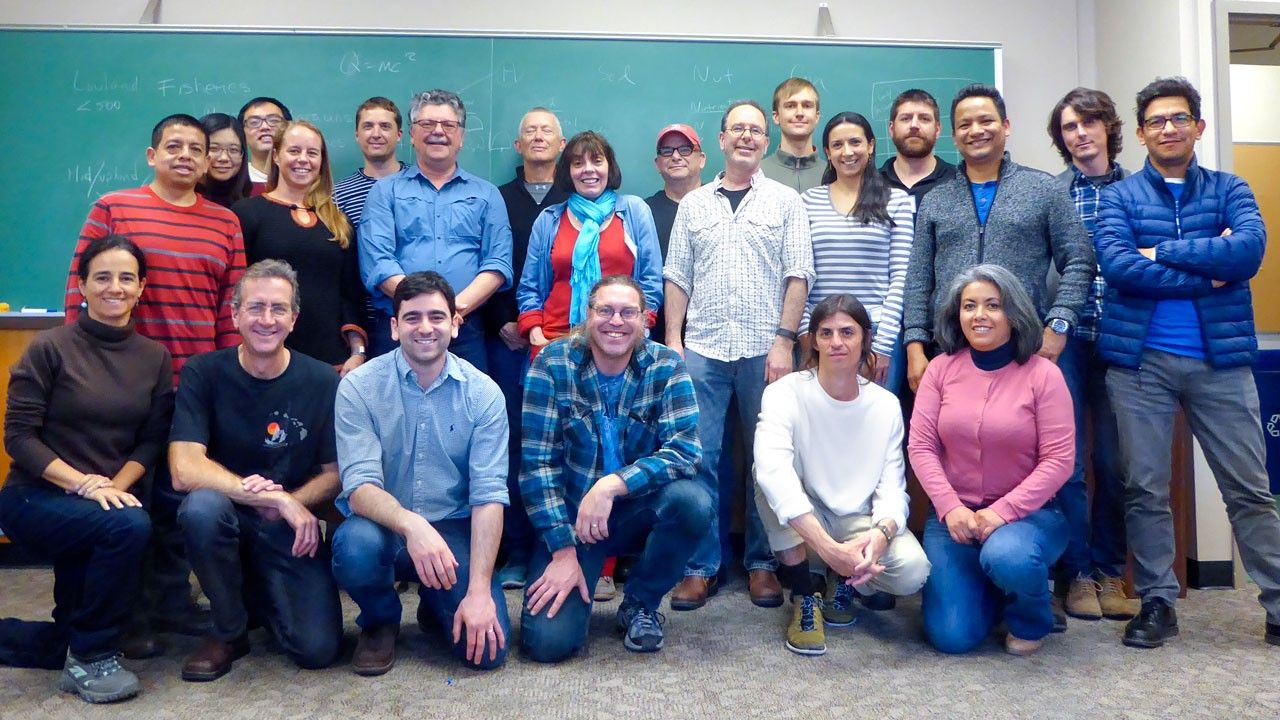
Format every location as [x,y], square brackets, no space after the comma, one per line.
[994,211]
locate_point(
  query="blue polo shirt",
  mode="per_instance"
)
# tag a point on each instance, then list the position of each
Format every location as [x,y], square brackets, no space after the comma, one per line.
[459,231]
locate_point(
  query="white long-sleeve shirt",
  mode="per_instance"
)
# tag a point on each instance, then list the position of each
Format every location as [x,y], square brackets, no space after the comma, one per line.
[846,455]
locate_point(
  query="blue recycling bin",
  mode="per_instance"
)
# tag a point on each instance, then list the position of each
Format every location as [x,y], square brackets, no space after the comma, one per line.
[1266,372]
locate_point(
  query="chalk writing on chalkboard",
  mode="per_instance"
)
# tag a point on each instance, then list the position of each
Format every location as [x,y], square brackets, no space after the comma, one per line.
[353,63]
[196,86]
[100,82]
[616,76]
[93,176]
[703,73]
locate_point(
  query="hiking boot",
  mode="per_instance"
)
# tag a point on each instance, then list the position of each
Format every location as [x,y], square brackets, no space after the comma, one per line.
[375,650]
[692,592]
[1156,622]
[1114,603]
[213,659]
[805,635]
[838,608]
[1082,598]
[643,627]
[100,681]
[605,589]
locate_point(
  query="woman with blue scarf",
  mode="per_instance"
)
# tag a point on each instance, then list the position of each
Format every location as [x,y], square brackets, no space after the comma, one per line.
[597,232]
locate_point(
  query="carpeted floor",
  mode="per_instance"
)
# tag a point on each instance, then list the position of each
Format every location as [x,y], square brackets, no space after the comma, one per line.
[726,660]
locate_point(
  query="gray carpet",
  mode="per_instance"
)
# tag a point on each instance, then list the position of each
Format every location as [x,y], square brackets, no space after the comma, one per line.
[726,660]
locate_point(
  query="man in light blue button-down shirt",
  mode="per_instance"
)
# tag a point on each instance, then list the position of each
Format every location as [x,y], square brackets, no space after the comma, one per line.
[422,452]
[433,215]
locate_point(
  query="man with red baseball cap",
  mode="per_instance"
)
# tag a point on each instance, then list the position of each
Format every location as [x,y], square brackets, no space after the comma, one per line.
[679,161]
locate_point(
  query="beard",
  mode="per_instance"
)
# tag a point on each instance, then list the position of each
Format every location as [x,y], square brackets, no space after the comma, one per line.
[914,150]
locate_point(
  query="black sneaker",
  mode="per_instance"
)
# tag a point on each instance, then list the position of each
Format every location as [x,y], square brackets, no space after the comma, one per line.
[1273,633]
[643,627]
[1155,623]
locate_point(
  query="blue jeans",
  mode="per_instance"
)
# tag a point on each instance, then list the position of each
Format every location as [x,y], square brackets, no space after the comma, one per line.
[972,586]
[368,559]
[663,525]
[1095,545]
[246,566]
[897,364]
[714,383]
[97,555]
[507,368]
[469,345]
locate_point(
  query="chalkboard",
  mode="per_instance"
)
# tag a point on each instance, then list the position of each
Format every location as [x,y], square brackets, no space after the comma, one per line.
[79,104]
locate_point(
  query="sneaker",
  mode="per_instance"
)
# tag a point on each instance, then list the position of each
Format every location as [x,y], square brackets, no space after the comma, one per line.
[512,577]
[839,610]
[1113,601]
[605,589]
[1156,622]
[643,627]
[101,681]
[1273,633]
[805,635]
[1082,598]
[878,601]
[1059,615]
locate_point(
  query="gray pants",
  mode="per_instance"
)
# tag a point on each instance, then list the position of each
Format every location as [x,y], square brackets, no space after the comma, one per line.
[1222,409]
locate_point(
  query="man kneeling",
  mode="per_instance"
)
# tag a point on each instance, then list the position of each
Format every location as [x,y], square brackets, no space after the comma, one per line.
[829,478]
[610,451]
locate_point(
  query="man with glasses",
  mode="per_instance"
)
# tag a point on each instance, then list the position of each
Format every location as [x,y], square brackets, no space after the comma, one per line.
[738,267]
[260,118]
[679,161]
[433,215]
[610,452]
[539,141]
[1177,245]
[796,163]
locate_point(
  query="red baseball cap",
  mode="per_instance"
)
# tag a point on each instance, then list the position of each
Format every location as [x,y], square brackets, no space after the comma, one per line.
[689,134]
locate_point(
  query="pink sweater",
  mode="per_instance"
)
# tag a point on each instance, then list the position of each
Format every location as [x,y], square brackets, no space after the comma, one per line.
[1003,439]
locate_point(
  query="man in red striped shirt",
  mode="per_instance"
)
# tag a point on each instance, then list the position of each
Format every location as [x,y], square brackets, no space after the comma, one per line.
[195,256]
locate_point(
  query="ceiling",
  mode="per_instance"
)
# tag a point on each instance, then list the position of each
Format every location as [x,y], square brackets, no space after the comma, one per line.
[1251,36]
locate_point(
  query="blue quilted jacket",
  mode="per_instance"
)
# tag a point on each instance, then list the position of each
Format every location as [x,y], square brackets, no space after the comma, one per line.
[1191,253]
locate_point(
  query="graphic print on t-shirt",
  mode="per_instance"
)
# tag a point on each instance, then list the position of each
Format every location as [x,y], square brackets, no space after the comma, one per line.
[282,430]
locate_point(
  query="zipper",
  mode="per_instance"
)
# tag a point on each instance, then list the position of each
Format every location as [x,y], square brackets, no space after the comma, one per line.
[982,226]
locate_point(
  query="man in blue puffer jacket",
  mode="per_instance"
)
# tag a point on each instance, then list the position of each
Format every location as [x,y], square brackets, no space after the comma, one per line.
[1177,245]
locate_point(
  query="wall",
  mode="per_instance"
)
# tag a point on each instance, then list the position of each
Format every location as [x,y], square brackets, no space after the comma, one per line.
[1039,37]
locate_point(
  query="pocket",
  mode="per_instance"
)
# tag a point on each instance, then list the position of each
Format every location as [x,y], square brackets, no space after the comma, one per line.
[466,218]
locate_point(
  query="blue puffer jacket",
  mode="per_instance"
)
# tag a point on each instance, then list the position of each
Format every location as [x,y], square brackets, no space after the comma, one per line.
[1191,253]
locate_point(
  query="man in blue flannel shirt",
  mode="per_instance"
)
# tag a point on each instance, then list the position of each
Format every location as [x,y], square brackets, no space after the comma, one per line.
[610,436]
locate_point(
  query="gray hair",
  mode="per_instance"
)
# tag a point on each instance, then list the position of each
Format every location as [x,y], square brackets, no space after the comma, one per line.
[554,120]
[266,270]
[437,97]
[1026,330]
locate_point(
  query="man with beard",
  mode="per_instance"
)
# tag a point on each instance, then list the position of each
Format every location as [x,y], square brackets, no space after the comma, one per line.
[915,127]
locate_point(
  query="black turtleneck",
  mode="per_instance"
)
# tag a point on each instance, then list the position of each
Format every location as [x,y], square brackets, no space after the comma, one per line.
[992,359]
[90,394]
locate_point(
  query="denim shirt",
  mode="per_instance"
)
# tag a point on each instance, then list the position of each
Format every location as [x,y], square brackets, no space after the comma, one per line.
[460,231]
[640,236]
[439,451]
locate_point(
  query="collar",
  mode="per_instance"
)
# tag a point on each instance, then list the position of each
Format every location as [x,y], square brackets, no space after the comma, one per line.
[940,168]
[579,354]
[452,369]
[756,177]
[796,162]
[1007,166]
[1117,173]
[459,175]
[370,178]
[103,331]
[1153,175]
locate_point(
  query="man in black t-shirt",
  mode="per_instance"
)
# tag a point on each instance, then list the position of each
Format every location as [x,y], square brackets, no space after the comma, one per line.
[679,160]
[253,445]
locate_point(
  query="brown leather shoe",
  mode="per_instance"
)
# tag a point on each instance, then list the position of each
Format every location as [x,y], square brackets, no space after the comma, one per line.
[765,589]
[213,659]
[693,591]
[141,646]
[375,650]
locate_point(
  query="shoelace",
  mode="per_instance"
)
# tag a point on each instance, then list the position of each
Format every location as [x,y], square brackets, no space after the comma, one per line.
[843,598]
[105,666]
[646,621]
[1111,585]
[1094,584]
[807,606]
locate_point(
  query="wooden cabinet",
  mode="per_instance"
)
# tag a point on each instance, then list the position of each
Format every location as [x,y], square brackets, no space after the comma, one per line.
[16,332]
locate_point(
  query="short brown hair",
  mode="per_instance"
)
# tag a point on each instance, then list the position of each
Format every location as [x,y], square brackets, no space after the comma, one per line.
[790,87]
[587,142]
[377,102]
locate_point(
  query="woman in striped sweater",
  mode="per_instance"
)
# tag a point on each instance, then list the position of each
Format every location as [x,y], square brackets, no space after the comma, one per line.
[862,230]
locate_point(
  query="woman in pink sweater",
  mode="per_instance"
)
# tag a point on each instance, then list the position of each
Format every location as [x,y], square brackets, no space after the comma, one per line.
[992,440]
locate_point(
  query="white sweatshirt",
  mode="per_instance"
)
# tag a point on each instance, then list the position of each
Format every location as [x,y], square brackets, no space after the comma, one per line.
[846,455]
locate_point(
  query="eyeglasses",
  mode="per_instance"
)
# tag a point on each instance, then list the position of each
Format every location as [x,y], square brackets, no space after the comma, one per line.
[606,312]
[254,122]
[1157,122]
[684,150]
[429,125]
[235,152]
[740,130]
[261,310]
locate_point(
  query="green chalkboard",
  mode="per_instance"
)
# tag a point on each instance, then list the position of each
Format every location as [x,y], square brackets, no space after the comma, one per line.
[79,104]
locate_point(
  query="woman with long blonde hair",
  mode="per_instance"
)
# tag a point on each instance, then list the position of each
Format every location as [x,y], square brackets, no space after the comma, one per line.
[296,220]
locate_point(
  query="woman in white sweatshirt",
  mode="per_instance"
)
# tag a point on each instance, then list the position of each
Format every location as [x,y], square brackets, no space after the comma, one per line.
[829,478]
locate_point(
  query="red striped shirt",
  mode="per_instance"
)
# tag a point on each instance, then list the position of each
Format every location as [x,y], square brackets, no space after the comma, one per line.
[195,256]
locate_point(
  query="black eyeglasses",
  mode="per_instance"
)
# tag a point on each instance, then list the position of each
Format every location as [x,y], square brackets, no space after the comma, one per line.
[684,150]
[1157,122]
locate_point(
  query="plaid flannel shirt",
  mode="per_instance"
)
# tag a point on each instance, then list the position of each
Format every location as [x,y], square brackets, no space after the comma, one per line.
[562,459]
[1085,194]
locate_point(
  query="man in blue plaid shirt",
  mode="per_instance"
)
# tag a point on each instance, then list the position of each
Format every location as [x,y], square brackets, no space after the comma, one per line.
[1085,128]
[610,437]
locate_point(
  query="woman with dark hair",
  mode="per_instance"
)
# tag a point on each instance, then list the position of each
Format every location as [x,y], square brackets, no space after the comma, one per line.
[830,479]
[861,230]
[597,232]
[992,440]
[87,416]
[296,220]
[227,180]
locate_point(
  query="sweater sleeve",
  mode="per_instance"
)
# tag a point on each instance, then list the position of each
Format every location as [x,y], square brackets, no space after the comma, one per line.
[775,451]
[30,385]
[153,436]
[1055,446]
[917,296]
[1072,254]
[925,446]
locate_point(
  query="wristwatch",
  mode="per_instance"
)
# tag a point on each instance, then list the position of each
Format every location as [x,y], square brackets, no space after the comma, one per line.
[888,537]
[791,335]
[359,350]
[1060,326]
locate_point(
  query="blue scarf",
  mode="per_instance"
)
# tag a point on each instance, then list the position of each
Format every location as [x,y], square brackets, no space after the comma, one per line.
[586,250]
